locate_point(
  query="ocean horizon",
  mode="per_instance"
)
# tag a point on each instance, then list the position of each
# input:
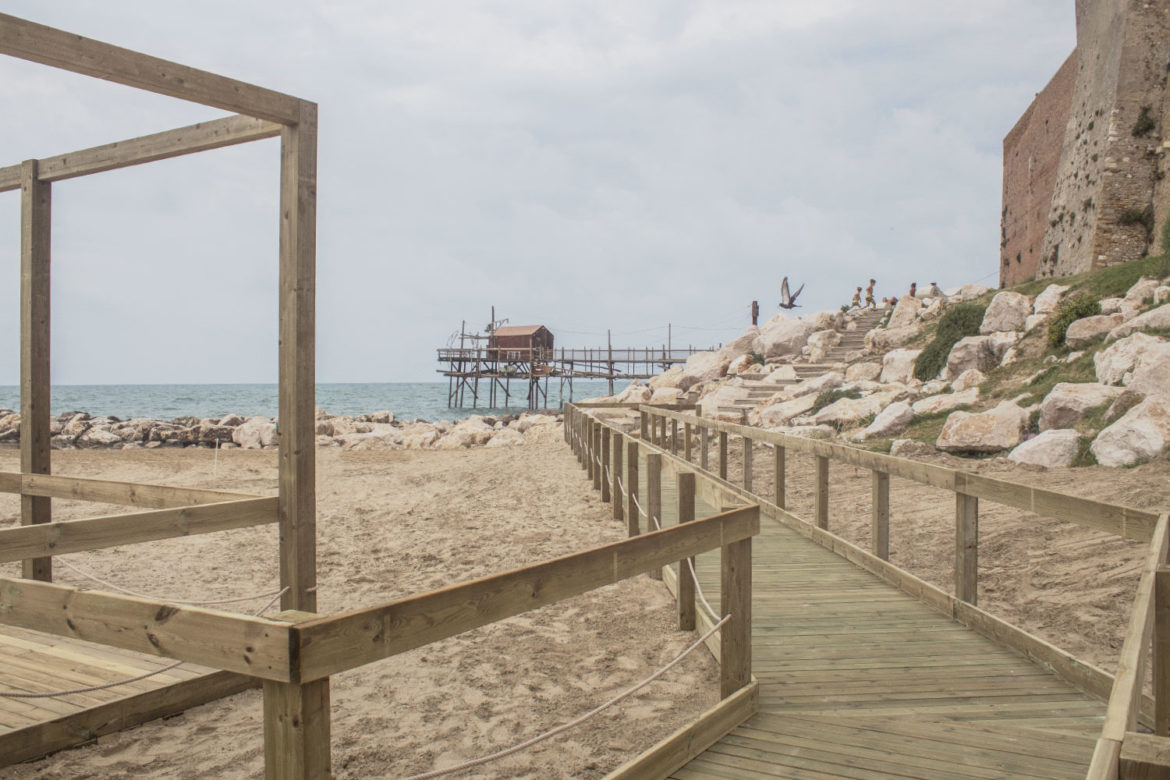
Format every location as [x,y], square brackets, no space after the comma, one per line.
[407,400]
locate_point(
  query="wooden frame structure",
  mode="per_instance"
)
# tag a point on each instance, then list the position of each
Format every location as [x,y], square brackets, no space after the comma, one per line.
[1122,751]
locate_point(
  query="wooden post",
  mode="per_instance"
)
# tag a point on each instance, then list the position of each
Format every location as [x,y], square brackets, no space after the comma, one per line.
[1162,651]
[653,497]
[645,426]
[296,731]
[606,471]
[595,455]
[619,503]
[723,454]
[779,475]
[821,499]
[297,413]
[747,463]
[735,642]
[686,585]
[632,515]
[687,433]
[36,211]
[583,442]
[704,445]
[673,436]
[879,534]
[589,463]
[966,548]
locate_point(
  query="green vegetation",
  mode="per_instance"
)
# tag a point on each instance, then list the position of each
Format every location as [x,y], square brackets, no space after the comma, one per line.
[1079,370]
[956,323]
[831,396]
[1143,217]
[756,358]
[1145,123]
[1085,456]
[1082,304]
[928,427]
[1109,282]
[1166,236]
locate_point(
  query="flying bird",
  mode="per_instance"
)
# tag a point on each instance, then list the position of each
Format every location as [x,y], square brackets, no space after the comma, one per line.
[787,300]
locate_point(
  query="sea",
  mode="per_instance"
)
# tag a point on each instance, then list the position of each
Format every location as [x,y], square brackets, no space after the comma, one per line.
[407,400]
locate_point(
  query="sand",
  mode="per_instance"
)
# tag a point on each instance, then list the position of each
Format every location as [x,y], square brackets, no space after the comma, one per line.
[392,524]
[396,523]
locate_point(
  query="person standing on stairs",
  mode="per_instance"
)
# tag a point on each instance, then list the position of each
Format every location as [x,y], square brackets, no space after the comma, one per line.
[870,303]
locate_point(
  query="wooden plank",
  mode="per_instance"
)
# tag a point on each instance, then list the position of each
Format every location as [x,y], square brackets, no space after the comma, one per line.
[596,450]
[297,361]
[110,531]
[689,741]
[1144,757]
[687,435]
[821,494]
[633,516]
[674,437]
[59,49]
[879,533]
[747,463]
[723,454]
[296,730]
[606,470]
[84,726]
[1161,651]
[200,137]
[123,493]
[618,499]
[9,482]
[1106,756]
[36,208]
[235,643]
[966,548]
[779,475]
[704,446]
[685,594]
[654,499]
[735,645]
[333,644]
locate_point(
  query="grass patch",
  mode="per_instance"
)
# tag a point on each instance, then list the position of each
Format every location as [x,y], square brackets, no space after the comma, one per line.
[1111,282]
[1079,370]
[1076,306]
[957,323]
[928,427]
[1085,456]
[832,396]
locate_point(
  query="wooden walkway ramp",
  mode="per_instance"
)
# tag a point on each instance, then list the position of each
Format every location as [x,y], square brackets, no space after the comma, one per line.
[859,680]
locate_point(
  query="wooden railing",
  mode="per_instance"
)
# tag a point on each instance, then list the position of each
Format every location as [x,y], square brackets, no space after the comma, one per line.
[1121,751]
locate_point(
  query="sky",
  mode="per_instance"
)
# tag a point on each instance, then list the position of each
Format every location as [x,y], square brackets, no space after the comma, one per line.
[645,169]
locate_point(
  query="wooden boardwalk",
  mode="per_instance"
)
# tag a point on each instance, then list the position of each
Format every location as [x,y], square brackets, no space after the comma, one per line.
[859,680]
[33,662]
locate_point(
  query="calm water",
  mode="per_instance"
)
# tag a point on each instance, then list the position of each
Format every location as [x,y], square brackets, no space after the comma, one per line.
[422,400]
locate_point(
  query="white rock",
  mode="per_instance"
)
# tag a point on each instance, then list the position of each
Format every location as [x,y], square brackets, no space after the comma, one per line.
[1086,330]
[812,431]
[1051,449]
[898,365]
[1007,311]
[780,413]
[737,366]
[1140,435]
[1047,302]
[1012,355]
[972,377]
[830,380]
[1116,363]
[705,366]
[1161,294]
[970,291]
[724,396]
[782,373]
[890,421]
[995,430]
[635,393]
[1001,341]
[972,352]
[945,402]
[1111,305]
[1035,321]
[905,313]
[909,448]
[742,344]
[256,433]
[821,343]
[784,336]
[506,438]
[1068,403]
[669,378]
[666,395]
[1142,290]
[881,339]
[98,437]
[1155,319]
[847,411]
[861,372]
[934,386]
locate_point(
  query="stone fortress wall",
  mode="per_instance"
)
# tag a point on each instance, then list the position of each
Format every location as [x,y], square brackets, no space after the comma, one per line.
[1102,189]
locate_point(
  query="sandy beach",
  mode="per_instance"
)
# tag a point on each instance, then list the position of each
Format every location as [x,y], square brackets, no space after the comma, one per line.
[392,523]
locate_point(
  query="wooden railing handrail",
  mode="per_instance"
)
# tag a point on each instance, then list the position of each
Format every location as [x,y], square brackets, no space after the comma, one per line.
[1131,523]
[110,492]
[333,644]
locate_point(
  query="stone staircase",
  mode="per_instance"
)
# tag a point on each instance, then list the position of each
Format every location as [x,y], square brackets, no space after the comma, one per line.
[763,388]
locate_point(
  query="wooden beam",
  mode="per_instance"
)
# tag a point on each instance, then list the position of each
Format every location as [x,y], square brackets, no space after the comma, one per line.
[966,548]
[821,493]
[297,725]
[333,644]
[747,463]
[596,455]
[779,474]
[113,530]
[879,534]
[618,445]
[688,433]
[704,446]
[1106,757]
[59,49]
[685,597]
[735,638]
[297,411]
[606,469]
[723,454]
[36,210]
[1144,757]
[122,493]
[235,643]
[1161,651]
[200,137]
[653,499]
[633,516]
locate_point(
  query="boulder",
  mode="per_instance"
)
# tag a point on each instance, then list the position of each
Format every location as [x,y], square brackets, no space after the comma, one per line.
[725,397]
[1051,449]
[898,365]
[1111,305]
[232,420]
[830,380]
[256,433]
[995,430]
[377,417]
[1155,319]
[821,343]
[1161,294]
[210,433]
[1047,302]
[528,421]
[1142,290]
[945,402]
[1140,435]
[635,393]
[863,372]
[910,448]
[1007,311]
[1001,341]
[742,344]
[785,336]
[668,378]
[972,377]
[419,436]
[1151,374]
[1069,402]
[666,395]
[782,373]
[971,291]
[735,367]
[812,431]
[705,366]
[891,421]
[881,339]
[933,386]
[1035,321]
[972,352]
[905,313]
[1116,363]
[98,437]
[775,414]
[1086,330]
[848,411]
[506,438]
